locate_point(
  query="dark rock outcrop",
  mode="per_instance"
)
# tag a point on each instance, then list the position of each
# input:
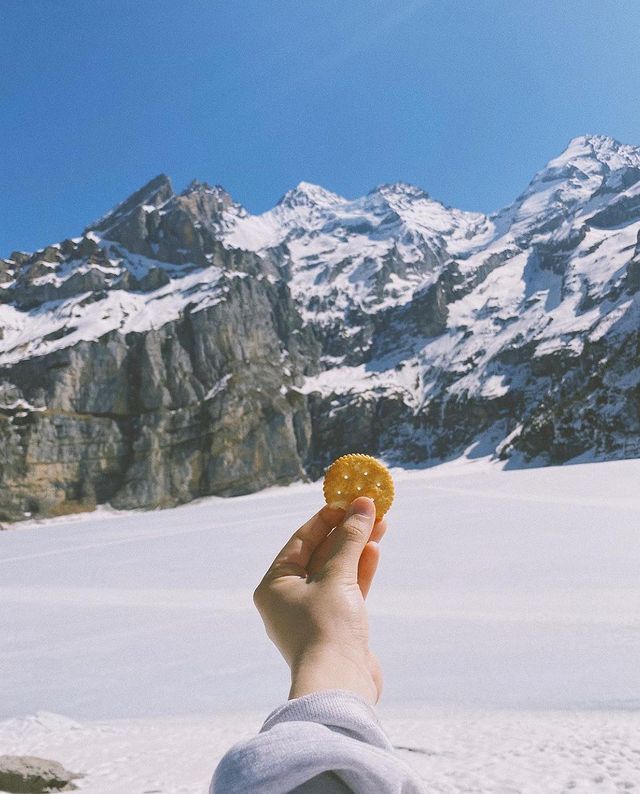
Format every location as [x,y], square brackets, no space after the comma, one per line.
[199,405]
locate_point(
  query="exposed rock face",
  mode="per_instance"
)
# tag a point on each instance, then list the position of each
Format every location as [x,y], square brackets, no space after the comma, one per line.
[182,347]
[199,405]
[26,774]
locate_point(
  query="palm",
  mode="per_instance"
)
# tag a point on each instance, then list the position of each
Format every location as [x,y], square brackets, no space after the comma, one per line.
[313,598]
[366,572]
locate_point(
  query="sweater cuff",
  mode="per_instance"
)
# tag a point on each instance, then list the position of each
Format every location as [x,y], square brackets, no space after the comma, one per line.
[339,709]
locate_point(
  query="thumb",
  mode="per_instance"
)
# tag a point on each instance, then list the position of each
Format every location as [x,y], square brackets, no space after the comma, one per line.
[350,538]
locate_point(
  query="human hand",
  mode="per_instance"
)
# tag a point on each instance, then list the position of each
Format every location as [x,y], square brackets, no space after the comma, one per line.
[312,601]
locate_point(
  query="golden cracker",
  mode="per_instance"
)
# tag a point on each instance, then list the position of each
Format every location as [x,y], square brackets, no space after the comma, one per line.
[358,475]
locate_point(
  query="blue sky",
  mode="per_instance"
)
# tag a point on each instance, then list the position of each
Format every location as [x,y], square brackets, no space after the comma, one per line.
[465,99]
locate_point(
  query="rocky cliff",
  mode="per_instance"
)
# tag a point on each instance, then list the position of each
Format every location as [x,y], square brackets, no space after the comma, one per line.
[181,346]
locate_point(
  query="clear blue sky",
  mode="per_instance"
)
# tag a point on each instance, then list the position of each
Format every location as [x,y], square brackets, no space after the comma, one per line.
[465,99]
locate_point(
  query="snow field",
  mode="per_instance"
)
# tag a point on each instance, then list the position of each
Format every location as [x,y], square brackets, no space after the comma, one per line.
[485,752]
[506,615]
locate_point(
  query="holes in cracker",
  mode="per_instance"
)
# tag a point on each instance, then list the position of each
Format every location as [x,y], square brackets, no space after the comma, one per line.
[358,475]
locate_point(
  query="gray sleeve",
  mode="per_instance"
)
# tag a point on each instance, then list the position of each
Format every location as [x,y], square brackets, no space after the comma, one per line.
[330,742]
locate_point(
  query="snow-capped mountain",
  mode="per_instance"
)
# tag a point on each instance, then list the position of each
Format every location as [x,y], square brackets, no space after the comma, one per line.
[182,346]
[366,254]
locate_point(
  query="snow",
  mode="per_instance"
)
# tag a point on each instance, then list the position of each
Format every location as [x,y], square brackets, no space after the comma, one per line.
[495,386]
[342,242]
[28,333]
[20,405]
[375,377]
[589,167]
[506,614]
[337,251]
[520,302]
[601,255]
[218,387]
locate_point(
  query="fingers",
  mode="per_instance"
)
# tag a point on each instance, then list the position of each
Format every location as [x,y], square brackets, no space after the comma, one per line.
[294,557]
[379,529]
[326,548]
[349,539]
[367,566]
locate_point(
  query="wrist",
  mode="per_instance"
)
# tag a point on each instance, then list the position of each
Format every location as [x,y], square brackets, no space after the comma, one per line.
[333,668]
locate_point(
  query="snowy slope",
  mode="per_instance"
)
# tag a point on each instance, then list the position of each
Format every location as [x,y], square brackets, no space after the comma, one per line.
[82,317]
[592,170]
[557,281]
[506,615]
[337,249]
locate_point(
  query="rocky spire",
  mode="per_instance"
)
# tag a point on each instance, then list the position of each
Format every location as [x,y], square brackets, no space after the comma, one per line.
[155,193]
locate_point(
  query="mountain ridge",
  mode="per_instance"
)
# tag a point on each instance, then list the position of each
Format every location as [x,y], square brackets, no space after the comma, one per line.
[183,346]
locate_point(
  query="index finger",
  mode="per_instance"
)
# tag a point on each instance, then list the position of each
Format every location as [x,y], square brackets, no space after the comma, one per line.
[294,556]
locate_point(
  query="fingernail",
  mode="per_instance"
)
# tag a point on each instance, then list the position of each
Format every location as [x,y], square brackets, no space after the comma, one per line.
[362,506]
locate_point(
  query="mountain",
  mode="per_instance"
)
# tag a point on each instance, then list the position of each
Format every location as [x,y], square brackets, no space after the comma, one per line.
[181,346]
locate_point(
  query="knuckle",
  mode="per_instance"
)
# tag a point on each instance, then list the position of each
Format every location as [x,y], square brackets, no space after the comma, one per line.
[259,594]
[353,530]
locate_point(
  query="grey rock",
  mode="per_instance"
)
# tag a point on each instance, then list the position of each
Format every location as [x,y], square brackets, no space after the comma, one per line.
[26,774]
[157,418]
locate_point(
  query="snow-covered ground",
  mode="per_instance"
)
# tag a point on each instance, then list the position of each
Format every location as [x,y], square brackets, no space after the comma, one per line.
[506,615]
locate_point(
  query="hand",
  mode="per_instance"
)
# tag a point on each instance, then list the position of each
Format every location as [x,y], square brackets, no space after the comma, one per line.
[312,601]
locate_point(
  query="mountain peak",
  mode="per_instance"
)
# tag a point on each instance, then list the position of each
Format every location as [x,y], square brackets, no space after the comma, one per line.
[601,150]
[195,186]
[399,188]
[158,182]
[308,194]
[155,192]
[593,141]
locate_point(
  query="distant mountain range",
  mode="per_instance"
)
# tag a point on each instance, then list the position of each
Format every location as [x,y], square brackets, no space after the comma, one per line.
[181,346]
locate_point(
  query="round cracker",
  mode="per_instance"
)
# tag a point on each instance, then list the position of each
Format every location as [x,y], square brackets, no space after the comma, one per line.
[358,475]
